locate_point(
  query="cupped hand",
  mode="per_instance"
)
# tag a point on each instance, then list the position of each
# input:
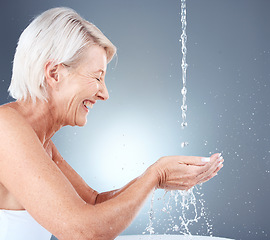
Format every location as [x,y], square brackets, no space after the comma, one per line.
[184,172]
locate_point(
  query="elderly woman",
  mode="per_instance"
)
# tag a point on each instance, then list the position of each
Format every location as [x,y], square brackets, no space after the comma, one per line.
[58,75]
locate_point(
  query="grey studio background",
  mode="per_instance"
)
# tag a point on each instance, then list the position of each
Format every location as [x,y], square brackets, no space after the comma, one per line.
[228,85]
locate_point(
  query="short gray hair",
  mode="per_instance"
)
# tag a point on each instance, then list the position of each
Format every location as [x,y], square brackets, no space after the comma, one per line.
[58,34]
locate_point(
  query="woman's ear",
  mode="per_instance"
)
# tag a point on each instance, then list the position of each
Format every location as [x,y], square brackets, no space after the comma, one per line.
[51,73]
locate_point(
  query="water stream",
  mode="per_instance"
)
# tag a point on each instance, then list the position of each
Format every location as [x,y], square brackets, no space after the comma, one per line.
[184,66]
[189,209]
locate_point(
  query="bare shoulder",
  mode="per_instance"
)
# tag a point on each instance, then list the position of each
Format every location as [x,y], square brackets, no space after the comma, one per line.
[27,172]
[13,125]
[9,110]
[17,139]
[9,116]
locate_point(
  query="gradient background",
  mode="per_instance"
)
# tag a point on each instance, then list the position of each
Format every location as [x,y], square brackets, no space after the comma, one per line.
[228,101]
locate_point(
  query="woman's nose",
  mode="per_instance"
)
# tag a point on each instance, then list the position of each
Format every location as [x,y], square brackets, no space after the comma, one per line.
[103,93]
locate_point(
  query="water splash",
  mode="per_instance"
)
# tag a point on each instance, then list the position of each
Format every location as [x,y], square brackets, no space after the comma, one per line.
[181,211]
[150,227]
[188,209]
[184,66]
[187,201]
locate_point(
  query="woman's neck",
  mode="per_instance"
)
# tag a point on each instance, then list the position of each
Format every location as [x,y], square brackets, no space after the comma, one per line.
[41,115]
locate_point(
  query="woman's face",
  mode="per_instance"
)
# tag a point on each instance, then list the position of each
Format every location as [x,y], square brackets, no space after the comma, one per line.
[82,86]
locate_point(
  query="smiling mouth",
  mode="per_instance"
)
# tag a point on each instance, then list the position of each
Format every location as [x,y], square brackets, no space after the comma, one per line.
[88,104]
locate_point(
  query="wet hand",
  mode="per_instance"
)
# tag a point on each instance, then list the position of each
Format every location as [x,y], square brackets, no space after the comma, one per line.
[184,172]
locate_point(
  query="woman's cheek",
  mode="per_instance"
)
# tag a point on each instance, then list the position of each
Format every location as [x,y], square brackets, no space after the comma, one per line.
[97,88]
[94,88]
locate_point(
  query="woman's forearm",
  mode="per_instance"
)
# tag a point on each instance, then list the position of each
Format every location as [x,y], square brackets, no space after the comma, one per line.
[105,196]
[107,219]
[115,214]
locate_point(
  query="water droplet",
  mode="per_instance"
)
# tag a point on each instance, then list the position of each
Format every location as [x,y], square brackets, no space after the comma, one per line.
[184,91]
[184,108]
[183,124]
[184,144]
[175,228]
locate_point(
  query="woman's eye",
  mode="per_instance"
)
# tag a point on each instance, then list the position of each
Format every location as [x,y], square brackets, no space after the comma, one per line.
[98,79]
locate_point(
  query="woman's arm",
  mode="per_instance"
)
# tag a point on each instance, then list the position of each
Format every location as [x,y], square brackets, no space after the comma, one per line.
[27,171]
[82,188]
[86,192]
[193,172]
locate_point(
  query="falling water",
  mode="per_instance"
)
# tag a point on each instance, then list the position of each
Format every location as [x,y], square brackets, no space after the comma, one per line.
[190,213]
[150,227]
[187,199]
[184,209]
[191,210]
[181,210]
[184,66]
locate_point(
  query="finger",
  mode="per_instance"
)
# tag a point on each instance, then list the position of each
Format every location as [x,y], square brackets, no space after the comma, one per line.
[208,169]
[213,158]
[215,165]
[212,175]
[198,161]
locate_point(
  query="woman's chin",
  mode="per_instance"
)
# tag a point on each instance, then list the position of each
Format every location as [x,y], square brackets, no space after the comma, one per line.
[81,122]
[81,118]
